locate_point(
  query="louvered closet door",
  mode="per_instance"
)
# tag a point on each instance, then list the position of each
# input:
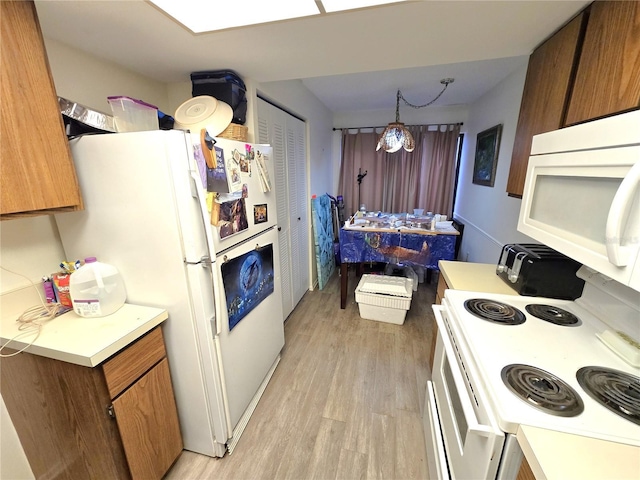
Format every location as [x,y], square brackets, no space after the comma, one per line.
[271,130]
[299,197]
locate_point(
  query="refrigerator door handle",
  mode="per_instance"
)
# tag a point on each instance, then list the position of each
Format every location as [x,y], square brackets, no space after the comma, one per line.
[205,261]
[203,208]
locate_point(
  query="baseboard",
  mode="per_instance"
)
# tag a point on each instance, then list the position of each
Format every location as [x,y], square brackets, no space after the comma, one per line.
[244,420]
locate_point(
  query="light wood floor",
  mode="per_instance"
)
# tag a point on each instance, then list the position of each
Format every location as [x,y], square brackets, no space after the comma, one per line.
[344,403]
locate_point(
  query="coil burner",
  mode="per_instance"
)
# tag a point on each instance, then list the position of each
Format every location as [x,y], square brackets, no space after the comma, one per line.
[555,315]
[618,391]
[542,390]
[496,312]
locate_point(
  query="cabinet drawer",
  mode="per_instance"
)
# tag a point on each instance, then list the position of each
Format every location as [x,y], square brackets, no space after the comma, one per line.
[132,362]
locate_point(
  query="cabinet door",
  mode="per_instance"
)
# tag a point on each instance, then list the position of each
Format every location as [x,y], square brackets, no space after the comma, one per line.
[544,97]
[148,422]
[608,76]
[37,170]
[59,411]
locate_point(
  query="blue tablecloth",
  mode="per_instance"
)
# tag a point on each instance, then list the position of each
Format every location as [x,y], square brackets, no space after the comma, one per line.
[396,247]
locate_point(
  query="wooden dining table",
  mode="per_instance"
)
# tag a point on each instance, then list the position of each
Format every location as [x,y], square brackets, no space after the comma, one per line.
[398,246]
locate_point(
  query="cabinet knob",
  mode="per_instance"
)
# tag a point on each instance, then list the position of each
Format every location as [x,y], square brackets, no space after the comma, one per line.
[298,218]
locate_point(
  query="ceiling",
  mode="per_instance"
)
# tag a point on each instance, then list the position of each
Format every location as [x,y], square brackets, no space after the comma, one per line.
[352,61]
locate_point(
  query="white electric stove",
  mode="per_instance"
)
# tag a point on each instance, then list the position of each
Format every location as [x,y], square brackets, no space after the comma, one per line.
[559,349]
[502,361]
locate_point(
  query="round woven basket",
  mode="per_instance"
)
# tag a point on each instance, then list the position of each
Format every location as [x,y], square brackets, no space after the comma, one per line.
[235,132]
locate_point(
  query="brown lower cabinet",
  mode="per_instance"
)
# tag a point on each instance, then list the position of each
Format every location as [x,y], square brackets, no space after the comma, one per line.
[117,420]
[525,472]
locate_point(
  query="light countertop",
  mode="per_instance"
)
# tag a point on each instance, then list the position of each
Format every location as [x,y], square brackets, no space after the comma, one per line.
[474,277]
[555,455]
[79,340]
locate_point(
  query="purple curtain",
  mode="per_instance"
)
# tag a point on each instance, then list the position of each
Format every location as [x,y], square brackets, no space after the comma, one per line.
[400,181]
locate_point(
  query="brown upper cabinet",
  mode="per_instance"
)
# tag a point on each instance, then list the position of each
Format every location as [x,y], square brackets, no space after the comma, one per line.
[37,171]
[588,69]
[543,104]
[608,76]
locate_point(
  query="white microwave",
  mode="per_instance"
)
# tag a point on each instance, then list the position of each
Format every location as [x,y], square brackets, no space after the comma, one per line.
[582,196]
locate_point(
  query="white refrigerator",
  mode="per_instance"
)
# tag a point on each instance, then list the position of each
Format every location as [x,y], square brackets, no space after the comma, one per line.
[148,211]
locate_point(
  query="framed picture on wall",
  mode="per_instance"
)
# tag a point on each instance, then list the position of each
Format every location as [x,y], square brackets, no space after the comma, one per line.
[486,159]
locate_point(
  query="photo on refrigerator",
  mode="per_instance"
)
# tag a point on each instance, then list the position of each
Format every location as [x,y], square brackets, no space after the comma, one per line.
[248,280]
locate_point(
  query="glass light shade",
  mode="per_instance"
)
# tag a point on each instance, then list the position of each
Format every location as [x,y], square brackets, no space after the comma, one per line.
[395,137]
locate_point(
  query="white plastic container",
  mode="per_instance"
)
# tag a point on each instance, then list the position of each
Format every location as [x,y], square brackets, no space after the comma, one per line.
[384,298]
[96,289]
[133,115]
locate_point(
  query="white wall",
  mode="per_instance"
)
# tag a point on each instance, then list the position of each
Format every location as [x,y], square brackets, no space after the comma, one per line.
[88,80]
[296,98]
[408,115]
[489,215]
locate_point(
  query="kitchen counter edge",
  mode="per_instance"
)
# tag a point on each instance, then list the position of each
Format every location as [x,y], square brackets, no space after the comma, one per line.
[557,455]
[85,341]
[473,277]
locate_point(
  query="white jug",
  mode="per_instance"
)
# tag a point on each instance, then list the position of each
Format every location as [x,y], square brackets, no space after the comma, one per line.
[96,289]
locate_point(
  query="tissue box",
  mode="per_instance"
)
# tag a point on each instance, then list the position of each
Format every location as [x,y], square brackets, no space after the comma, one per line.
[384,298]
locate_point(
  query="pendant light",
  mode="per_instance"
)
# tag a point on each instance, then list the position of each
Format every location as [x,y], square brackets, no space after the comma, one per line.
[396,136]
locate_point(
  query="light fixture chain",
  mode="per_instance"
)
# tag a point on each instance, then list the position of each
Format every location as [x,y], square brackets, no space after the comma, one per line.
[396,135]
[445,81]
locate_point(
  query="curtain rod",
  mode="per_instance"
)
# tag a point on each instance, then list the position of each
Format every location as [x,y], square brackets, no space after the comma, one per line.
[384,126]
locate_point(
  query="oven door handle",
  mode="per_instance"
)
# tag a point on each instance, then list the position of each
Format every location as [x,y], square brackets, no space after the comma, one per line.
[473,425]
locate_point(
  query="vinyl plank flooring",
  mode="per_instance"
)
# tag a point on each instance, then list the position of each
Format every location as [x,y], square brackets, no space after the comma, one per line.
[323,464]
[344,403]
[355,365]
[411,462]
[189,465]
[362,397]
[298,453]
[382,448]
[352,465]
[406,385]
[385,381]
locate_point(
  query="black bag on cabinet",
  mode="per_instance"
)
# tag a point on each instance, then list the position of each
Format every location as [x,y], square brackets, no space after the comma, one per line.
[224,85]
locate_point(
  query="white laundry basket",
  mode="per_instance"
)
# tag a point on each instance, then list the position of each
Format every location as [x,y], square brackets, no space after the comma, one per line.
[384,298]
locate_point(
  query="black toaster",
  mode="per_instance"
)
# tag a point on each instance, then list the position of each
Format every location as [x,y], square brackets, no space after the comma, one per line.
[536,270]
